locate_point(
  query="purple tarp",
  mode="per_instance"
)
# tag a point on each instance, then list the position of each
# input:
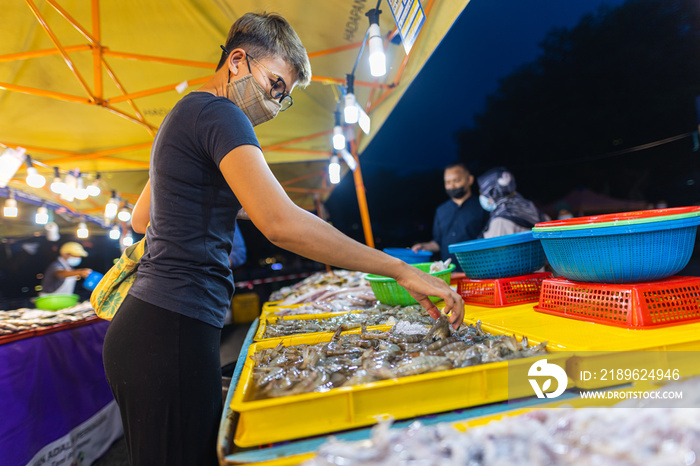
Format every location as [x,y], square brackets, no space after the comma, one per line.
[49,384]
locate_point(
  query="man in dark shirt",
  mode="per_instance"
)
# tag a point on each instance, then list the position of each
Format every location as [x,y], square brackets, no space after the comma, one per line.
[458,219]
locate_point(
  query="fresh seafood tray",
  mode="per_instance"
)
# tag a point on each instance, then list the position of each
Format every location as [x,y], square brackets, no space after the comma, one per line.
[24,323]
[332,382]
[338,290]
[666,434]
[379,315]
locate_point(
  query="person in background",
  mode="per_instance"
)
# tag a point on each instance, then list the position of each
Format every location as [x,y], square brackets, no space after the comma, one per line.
[161,350]
[458,219]
[510,211]
[60,276]
[564,211]
[238,256]
[239,253]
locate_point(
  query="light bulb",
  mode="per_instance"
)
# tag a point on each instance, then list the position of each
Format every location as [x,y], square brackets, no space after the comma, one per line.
[34,179]
[111,207]
[115,232]
[42,216]
[351,113]
[71,183]
[334,170]
[82,230]
[80,191]
[338,138]
[377,59]
[10,209]
[94,190]
[349,159]
[58,186]
[128,240]
[124,215]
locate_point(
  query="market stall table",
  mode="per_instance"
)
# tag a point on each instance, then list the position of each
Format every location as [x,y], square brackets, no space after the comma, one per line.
[57,407]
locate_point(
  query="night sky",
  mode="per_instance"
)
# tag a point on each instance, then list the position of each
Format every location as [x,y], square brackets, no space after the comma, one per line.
[489,40]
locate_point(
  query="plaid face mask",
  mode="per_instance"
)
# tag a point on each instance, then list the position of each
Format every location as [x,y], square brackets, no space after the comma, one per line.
[250,97]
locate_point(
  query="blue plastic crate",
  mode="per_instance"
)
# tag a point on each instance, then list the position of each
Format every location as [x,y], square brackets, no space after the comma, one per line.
[621,254]
[500,257]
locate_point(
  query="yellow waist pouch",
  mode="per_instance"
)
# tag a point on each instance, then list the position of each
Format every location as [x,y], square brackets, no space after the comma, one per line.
[112,289]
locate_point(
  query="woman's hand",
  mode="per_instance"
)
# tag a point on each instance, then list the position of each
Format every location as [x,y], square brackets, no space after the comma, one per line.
[421,285]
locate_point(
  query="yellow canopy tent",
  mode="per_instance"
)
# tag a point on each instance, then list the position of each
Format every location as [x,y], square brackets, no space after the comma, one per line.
[85,85]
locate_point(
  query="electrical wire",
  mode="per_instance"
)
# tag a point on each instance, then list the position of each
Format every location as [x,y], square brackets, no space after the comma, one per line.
[608,155]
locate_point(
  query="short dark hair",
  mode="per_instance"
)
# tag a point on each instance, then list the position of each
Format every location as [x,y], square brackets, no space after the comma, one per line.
[459,164]
[268,35]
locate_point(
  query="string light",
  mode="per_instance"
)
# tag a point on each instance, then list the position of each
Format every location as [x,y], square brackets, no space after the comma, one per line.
[128,240]
[82,230]
[80,191]
[58,186]
[94,188]
[349,159]
[124,215]
[111,207]
[34,179]
[71,183]
[115,232]
[10,161]
[10,208]
[42,216]
[377,58]
[338,136]
[351,113]
[334,170]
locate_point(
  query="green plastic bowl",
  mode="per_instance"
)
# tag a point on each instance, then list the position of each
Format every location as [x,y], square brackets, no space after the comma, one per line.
[55,302]
[388,291]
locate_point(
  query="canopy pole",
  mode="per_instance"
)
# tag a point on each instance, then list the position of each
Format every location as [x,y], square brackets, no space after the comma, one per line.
[362,199]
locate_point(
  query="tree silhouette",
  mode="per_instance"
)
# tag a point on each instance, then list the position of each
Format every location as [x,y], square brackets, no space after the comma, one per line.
[620,78]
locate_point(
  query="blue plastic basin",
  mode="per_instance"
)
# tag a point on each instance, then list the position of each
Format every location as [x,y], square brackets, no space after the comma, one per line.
[500,257]
[621,254]
[408,256]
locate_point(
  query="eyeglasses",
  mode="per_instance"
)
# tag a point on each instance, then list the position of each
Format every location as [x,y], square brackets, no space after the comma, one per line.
[277,91]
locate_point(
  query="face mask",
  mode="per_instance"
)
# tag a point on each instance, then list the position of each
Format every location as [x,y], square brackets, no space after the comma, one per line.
[565,216]
[74,261]
[456,193]
[487,203]
[250,97]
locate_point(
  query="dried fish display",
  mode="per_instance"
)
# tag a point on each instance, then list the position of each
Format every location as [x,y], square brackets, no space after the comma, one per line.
[380,314]
[624,435]
[20,320]
[375,355]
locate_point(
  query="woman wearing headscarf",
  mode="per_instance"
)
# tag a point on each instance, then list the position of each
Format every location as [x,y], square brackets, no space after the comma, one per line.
[510,211]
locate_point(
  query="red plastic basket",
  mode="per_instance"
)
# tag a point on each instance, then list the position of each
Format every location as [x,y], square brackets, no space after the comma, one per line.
[501,292]
[671,301]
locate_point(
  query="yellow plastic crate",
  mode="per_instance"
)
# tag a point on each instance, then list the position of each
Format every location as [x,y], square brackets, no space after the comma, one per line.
[298,416]
[245,307]
[598,347]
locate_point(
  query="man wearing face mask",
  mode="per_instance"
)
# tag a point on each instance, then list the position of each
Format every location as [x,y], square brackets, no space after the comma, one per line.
[161,351]
[458,219]
[510,211]
[60,276]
